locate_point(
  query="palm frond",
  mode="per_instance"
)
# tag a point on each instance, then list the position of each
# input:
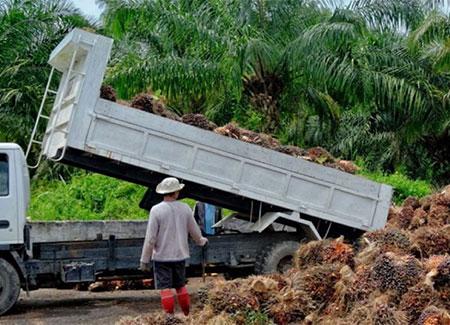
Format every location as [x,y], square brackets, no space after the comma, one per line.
[434,26]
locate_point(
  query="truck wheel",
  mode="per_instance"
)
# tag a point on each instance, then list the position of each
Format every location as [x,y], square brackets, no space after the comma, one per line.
[9,286]
[277,257]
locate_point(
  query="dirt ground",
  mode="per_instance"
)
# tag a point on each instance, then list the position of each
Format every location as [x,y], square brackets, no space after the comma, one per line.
[51,306]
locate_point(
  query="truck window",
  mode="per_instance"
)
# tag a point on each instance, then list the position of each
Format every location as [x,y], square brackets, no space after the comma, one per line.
[4,175]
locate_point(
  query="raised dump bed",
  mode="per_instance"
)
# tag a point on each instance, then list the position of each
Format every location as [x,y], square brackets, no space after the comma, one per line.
[116,140]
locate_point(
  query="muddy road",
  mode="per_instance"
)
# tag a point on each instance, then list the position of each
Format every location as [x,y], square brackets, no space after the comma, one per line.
[51,306]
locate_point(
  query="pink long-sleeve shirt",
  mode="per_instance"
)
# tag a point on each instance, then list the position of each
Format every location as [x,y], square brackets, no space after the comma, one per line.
[168,228]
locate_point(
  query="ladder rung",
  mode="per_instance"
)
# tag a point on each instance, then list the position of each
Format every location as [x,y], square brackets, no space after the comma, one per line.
[52,92]
[87,43]
[57,128]
[79,72]
[37,142]
[44,117]
[66,102]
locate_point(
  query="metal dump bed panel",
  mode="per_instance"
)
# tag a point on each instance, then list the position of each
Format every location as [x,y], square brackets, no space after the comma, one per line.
[159,144]
[162,145]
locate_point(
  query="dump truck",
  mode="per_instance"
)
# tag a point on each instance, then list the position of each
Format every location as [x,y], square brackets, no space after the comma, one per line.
[282,199]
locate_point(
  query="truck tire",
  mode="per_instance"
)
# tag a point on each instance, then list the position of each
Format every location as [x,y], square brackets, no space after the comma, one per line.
[9,286]
[277,257]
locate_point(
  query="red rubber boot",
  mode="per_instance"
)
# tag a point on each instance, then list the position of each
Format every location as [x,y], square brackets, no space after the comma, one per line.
[167,300]
[184,300]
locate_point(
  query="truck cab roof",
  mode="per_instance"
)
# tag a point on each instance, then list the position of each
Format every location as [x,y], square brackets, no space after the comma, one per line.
[10,146]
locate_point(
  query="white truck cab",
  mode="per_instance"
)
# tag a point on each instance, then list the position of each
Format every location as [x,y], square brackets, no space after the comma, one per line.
[14,194]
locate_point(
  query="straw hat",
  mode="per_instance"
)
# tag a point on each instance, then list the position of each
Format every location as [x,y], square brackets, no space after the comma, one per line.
[169,185]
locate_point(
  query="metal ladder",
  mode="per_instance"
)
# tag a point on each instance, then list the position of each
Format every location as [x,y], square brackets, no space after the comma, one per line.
[56,108]
[36,124]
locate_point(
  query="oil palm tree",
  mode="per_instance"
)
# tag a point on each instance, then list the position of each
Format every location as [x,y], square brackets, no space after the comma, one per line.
[29,30]
[213,57]
[362,77]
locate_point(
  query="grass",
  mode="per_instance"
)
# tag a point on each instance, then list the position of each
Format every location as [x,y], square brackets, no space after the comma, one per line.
[89,197]
[402,184]
[86,197]
[96,197]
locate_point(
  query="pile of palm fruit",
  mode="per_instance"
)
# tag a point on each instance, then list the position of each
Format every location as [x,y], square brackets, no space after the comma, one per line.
[150,103]
[394,276]
[113,285]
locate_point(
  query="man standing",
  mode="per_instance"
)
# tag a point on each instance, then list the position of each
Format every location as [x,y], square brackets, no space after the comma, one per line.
[166,243]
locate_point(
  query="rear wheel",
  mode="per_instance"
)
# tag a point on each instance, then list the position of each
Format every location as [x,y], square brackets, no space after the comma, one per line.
[9,286]
[277,257]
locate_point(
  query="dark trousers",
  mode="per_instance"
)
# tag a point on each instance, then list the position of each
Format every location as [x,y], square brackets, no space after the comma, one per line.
[169,274]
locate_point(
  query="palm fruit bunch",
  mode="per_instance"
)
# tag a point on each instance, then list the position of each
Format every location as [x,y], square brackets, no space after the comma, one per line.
[388,240]
[393,272]
[346,166]
[379,310]
[309,254]
[149,103]
[320,155]
[233,131]
[292,151]
[230,130]
[262,287]
[100,286]
[231,297]
[202,294]
[261,139]
[107,92]
[434,316]
[339,252]
[112,285]
[198,120]
[202,316]
[433,262]
[438,215]
[342,300]
[278,299]
[428,241]
[281,281]
[363,284]
[419,218]
[385,312]
[317,281]
[401,218]
[394,276]
[289,306]
[432,210]
[415,300]
[439,278]
[325,251]
[143,102]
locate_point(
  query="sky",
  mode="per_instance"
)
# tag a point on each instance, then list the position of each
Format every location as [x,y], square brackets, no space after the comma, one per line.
[88,7]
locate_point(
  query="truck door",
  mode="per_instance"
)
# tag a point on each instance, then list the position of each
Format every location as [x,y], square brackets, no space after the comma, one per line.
[8,200]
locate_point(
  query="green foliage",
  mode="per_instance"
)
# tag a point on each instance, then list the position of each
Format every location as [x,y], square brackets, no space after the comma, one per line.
[340,74]
[257,318]
[86,197]
[402,184]
[29,31]
[89,196]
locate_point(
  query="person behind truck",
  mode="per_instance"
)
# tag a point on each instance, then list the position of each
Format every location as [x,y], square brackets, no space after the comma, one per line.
[206,216]
[166,244]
